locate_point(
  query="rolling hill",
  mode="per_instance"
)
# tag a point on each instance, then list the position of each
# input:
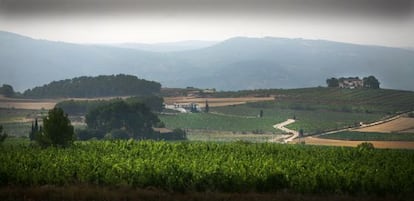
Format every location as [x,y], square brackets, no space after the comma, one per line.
[234,64]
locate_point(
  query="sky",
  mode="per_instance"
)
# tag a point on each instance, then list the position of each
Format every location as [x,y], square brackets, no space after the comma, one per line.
[376,22]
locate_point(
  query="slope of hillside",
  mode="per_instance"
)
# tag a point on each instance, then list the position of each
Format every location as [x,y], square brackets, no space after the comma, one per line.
[237,63]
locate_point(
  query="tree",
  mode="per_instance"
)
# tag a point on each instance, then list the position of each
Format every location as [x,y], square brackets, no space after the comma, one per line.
[206,108]
[3,135]
[7,90]
[57,129]
[371,82]
[332,82]
[34,130]
[136,119]
[301,132]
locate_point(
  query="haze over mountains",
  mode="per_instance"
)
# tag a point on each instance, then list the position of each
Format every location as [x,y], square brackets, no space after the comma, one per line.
[234,64]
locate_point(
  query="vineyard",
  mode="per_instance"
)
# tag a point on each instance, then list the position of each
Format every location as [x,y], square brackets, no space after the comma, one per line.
[244,118]
[222,167]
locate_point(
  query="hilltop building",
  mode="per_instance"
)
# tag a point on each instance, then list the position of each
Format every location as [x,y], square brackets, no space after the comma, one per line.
[350,83]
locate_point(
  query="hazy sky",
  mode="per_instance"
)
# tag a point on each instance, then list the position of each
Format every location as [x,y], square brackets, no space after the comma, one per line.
[381,22]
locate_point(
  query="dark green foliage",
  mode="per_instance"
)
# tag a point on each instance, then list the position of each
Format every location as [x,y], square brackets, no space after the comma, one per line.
[301,132]
[34,131]
[3,135]
[365,146]
[7,90]
[101,86]
[229,167]
[332,82]
[206,107]
[57,129]
[87,134]
[136,118]
[371,82]
[119,134]
[180,133]
[79,107]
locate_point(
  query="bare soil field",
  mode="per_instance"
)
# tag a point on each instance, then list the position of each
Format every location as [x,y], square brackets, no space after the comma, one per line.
[215,102]
[37,104]
[346,143]
[32,104]
[402,124]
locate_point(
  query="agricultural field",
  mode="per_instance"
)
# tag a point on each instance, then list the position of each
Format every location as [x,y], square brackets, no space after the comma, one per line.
[347,100]
[370,136]
[30,104]
[231,136]
[215,102]
[211,121]
[245,118]
[402,124]
[213,167]
[313,140]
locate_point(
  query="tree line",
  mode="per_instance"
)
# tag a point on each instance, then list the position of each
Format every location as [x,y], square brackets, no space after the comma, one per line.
[100,86]
[117,119]
[81,107]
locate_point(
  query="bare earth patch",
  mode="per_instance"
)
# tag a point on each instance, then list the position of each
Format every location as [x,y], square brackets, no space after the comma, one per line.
[397,125]
[32,104]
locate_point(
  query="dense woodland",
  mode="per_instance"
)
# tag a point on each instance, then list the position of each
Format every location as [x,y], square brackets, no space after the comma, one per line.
[100,86]
[81,107]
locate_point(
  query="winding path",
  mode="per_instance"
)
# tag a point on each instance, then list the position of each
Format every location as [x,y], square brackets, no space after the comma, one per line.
[281,126]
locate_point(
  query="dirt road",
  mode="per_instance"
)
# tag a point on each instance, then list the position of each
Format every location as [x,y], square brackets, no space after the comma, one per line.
[281,126]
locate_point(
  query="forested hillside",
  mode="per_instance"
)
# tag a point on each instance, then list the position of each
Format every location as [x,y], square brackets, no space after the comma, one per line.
[100,86]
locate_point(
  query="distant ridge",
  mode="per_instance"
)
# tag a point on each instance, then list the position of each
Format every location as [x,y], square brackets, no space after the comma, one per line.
[166,47]
[234,64]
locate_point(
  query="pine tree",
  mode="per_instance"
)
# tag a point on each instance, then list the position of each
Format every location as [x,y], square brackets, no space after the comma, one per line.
[34,130]
[207,108]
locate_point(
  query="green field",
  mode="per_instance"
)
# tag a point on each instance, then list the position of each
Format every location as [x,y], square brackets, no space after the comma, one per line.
[311,120]
[243,118]
[355,100]
[370,136]
[223,167]
[208,121]
[316,110]
[230,136]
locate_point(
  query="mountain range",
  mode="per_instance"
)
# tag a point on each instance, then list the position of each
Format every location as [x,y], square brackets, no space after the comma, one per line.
[234,64]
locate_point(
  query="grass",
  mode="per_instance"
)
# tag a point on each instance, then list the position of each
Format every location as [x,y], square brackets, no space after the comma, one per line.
[17,129]
[244,118]
[370,136]
[13,115]
[208,121]
[359,100]
[16,141]
[227,136]
[310,119]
